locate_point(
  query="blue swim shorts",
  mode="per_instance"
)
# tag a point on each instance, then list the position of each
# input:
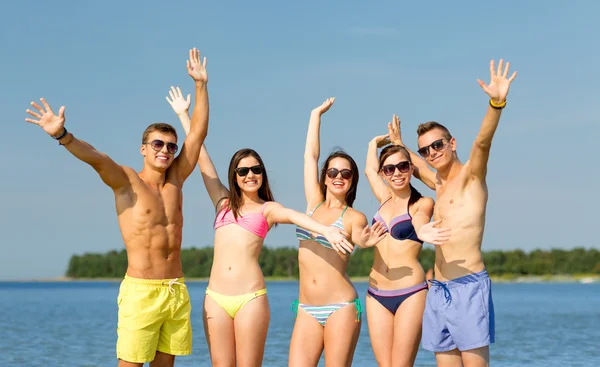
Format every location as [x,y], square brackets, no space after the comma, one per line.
[459,314]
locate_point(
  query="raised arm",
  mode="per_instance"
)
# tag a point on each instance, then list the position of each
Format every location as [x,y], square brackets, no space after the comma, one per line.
[311,155]
[497,90]
[377,183]
[422,170]
[425,229]
[111,173]
[277,213]
[186,160]
[216,190]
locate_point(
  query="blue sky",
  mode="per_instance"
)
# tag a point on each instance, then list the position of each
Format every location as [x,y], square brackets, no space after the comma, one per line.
[111,64]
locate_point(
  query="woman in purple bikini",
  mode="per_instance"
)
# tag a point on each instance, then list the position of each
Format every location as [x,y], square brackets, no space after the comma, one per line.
[397,286]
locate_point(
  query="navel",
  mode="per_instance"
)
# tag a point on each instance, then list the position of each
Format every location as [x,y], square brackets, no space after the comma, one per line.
[148,211]
[451,201]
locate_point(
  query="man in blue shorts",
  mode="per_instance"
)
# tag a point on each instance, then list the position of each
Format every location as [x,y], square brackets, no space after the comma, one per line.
[458,323]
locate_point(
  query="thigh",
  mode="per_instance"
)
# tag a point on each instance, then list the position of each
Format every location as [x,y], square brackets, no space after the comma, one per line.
[381,331]
[341,334]
[176,332]
[220,337]
[163,360]
[251,324]
[479,357]
[407,329]
[306,345]
[469,318]
[449,359]
[139,322]
[123,363]
[435,334]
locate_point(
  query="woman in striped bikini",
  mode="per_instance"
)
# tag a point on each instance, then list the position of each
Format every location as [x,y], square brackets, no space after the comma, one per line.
[397,287]
[328,311]
[236,310]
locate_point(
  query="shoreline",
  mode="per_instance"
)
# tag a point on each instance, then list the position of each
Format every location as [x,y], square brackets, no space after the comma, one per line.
[506,278]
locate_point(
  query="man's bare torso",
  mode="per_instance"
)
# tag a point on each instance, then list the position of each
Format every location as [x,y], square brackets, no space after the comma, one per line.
[151,223]
[460,205]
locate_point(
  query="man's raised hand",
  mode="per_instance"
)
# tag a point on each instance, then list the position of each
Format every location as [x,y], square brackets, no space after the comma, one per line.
[45,118]
[499,83]
[196,69]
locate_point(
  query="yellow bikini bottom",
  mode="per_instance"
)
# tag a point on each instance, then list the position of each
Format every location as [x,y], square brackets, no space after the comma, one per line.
[232,304]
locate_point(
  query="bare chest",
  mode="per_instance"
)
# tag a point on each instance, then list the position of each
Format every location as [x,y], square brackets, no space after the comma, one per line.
[457,203]
[160,207]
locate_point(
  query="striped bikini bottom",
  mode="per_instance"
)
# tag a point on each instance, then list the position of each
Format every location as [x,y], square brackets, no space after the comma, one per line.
[322,313]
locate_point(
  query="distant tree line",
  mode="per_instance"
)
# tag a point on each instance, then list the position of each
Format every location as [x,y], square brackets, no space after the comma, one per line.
[283,262]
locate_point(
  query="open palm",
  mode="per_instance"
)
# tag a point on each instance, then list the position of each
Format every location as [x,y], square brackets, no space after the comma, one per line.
[178,103]
[499,83]
[46,119]
[196,69]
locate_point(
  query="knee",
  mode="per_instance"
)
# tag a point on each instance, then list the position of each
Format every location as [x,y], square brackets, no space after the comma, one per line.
[222,363]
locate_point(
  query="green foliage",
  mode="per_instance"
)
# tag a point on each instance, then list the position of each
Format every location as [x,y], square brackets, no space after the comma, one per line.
[283,262]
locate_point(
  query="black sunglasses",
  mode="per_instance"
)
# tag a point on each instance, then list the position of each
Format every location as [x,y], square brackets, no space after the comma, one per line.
[157,145]
[243,171]
[389,169]
[333,173]
[436,145]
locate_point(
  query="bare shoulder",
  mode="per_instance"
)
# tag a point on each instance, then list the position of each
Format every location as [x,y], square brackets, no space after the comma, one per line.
[354,217]
[425,202]
[270,206]
[130,172]
[132,176]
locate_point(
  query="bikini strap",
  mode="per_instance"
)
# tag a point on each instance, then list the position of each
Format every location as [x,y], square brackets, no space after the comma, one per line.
[312,211]
[262,210]
[295,307]
[359,309]
[382,204]
[344,211]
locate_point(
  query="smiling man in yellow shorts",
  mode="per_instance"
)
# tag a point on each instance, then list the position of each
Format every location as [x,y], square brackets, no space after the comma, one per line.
[154,305]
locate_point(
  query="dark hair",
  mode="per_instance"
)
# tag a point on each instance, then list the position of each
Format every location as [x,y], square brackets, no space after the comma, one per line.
[390,150]
[431,125]
[159,126]
[351,194]
[235,196]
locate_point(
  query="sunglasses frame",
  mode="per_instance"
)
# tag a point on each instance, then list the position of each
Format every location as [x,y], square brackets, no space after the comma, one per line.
[425,151]
[258,167]
[163,143]
[396,167]
[338,172]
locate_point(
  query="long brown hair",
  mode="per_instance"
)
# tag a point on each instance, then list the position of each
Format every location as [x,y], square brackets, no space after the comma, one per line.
[390,150]
[235,195]
[351,194]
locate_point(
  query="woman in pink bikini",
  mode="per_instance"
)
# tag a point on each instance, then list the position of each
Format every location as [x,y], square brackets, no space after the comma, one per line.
[397,286]
[236,309]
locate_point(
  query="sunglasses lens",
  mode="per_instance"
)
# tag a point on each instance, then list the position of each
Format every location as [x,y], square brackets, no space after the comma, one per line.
[388,170]
[437,145]
[243,171]
[172,148]
[404,166]
[157,144]
[346,174]
[423,152]
[257,170]
[332,172]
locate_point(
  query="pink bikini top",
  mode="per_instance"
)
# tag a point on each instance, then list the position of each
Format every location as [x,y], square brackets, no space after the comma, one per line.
[252,222]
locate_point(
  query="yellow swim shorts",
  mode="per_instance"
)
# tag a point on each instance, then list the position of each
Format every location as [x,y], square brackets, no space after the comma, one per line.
[154,315]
